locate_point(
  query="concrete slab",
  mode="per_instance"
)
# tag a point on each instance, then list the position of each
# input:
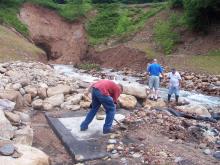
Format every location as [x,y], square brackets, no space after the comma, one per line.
[82,146]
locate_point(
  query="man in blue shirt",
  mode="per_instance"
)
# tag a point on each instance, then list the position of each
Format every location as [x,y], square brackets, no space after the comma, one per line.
[155,70]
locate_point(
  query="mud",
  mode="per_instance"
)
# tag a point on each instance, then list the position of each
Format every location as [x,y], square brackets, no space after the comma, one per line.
[63,42]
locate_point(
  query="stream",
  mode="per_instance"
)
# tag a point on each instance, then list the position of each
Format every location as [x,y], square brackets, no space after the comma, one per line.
[191,97]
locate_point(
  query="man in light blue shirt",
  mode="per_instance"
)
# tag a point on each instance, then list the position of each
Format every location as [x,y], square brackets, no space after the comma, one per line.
[155,70]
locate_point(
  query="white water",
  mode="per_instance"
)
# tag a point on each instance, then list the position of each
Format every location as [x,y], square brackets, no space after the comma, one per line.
[192,97]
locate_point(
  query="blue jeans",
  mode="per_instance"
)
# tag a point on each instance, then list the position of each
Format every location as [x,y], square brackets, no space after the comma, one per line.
[97,100]
[174,90]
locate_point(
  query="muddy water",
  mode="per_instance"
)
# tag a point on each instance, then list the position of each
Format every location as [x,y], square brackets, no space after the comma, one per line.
[192,97]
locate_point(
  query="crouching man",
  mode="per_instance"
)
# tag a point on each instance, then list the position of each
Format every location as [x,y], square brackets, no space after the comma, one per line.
[106,93]
[174,85]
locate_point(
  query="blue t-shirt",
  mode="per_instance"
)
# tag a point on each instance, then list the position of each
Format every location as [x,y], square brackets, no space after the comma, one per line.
[155,69]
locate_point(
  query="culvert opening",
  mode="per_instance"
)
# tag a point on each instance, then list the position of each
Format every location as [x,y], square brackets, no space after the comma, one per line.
[47,48]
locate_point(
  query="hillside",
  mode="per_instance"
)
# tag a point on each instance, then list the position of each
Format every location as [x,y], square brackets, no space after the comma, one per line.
[105,32]
[15,47]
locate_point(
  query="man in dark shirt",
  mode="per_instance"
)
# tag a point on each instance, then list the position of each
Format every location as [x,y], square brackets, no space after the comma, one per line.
[104,92]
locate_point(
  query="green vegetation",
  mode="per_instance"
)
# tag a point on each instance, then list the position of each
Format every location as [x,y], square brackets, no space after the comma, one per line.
[200,14]
[126,1]
[70,10]
[208,63]
[8,15]
[165,34]
[114,20]
[89,66]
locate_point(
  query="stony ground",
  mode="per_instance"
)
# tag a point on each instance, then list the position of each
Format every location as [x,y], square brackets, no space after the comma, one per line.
[27,90]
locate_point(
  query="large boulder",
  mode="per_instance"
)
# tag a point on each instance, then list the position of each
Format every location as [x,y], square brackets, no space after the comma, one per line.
[31,90]
[69,106]
[42,93]
[12,117]
[136,90]
[6,129]
[75,99]
[160,103]
[29,156]
[59,89]
[6,104]
[37,104]
[127,101]
[24,136]
[195,109]
[12,95]
[55,100]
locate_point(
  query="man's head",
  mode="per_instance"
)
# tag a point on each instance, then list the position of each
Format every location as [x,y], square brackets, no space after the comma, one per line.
[173,70]
[121,87]
[154,60]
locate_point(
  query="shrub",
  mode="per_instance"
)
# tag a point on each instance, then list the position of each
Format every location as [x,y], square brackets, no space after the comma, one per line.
[201,13]
[176,3]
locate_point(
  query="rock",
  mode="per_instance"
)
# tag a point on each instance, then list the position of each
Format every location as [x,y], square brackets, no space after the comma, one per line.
[31,90]
[6,104]
[110,147]
[154,104]
[14,96]
[115,156]
[127,101]
[27,99]
[23,116]
[37,104]
[29,156]
[22,91]
[12,117]
[3,70]
[59,89]
[75,99]
[85,104]
[69,106]
[24,136]
[207,151]
[217,83]
[7,149]
[188,77]
[100,117]
[135,90]
[6,129]
[217,155]
[195,109]
[136,155]
[42,93]
[112,141]
[55,100]
[47,106]
[16,86]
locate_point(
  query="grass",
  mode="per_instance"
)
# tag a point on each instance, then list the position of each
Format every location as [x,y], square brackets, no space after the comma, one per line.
[115,20]
[8,15]
[14,47]
[70,10]
[207,63]
[89,66]
[165,33]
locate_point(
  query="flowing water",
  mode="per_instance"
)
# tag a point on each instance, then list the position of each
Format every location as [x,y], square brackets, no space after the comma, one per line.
[192,97]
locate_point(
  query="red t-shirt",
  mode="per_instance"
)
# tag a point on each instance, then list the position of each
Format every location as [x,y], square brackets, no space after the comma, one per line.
[108,88]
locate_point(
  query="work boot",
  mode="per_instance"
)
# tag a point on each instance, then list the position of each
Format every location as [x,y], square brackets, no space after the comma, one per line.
[177,100]
[109,131]
[169,97]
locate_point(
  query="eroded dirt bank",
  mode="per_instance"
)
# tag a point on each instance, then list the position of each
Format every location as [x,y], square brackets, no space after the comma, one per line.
[64,42]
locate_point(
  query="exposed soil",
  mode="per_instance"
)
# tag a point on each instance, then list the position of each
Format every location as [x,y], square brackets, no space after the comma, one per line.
[63,42]
[47,141]
[119,57]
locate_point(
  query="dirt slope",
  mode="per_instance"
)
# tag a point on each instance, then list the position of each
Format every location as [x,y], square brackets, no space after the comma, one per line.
[119,57]
[64,42]
[15,47]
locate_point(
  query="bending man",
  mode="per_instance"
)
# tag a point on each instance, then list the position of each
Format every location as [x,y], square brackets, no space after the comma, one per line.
[104,92]
[154,81]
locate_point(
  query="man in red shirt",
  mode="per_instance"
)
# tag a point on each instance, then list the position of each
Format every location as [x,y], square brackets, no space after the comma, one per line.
[104,92]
